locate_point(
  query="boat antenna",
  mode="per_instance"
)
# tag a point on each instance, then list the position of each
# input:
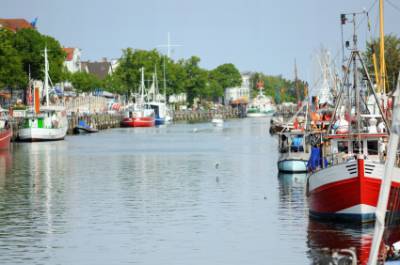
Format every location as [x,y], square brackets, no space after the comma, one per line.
[169,45]
[168,56]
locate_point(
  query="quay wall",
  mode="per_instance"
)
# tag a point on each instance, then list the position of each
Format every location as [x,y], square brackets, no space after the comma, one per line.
[204,115]
[100,121]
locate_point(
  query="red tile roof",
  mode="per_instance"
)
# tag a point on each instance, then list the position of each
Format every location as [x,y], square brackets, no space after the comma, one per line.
[15,24]
[70,53]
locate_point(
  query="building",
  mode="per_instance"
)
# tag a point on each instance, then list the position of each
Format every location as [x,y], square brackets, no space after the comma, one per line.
[73,59]
[100,69]
[241,93]
[15,24]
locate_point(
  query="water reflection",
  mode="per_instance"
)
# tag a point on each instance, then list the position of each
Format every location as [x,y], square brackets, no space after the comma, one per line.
[30,207]
[292,192]
[325,239]
[5,165]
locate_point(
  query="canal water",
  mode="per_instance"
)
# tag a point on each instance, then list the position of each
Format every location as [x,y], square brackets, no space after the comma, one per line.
[179,194]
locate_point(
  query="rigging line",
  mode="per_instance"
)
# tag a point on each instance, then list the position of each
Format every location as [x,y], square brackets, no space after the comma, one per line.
[358,25]
[338,50]
[393,5]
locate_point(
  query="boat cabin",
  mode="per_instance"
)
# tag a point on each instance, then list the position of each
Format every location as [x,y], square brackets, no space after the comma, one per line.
[292,142]
[46,119]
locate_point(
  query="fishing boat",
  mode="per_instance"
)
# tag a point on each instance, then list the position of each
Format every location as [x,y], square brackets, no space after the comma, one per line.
[5,130]
[139,114]
[346,188]
[158,102]
[293,152]
[261,105]
[44,123]
[294,142]
[83,128]
[139,118]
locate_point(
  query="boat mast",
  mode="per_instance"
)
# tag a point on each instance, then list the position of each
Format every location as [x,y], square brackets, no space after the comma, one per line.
[156,92]
[46,76]
[355,83]
[142,87]
[382,49]
[296,86]
[168,46]
[384,192]
[165,82]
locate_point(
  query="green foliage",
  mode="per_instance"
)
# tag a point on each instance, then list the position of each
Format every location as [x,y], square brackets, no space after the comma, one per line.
[183,76]
[196,79]
[113,84]
[84,82]
[392,58]
[30,45]
[11,71]
[277,87]
[22,52]
[128,72]
[224,76]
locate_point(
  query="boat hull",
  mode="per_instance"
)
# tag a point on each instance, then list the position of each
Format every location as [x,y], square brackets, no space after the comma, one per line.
[159,121]
[84,130]
[292,166]
[41,134]
[138,122]
[217,122]
[5,138]
[260,114]
[348,191]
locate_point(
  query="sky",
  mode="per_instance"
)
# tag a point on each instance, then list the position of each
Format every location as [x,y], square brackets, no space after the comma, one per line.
[255,35]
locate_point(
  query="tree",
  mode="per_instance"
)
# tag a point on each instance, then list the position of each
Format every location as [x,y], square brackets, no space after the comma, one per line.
[175,76]
[224,76]
[277,87]
[392,58]
[30,45]
[84,82]
[196,79]
[11,71]
[128,71]
[113,84]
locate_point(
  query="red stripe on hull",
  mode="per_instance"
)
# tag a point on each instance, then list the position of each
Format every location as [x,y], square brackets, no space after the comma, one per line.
[341,195]
[138,122]
[5,138]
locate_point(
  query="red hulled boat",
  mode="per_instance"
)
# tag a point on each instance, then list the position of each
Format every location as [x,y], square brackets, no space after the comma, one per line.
[138,115]
[346,184]
[138,122]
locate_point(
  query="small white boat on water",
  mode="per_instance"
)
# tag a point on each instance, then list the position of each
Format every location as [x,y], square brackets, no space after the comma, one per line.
[217,121]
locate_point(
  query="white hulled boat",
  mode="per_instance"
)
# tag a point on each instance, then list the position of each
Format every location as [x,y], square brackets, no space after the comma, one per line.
[261,105]
[47,123]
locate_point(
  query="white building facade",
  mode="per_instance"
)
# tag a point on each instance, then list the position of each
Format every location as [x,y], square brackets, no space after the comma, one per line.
[238,93]
[73,60]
